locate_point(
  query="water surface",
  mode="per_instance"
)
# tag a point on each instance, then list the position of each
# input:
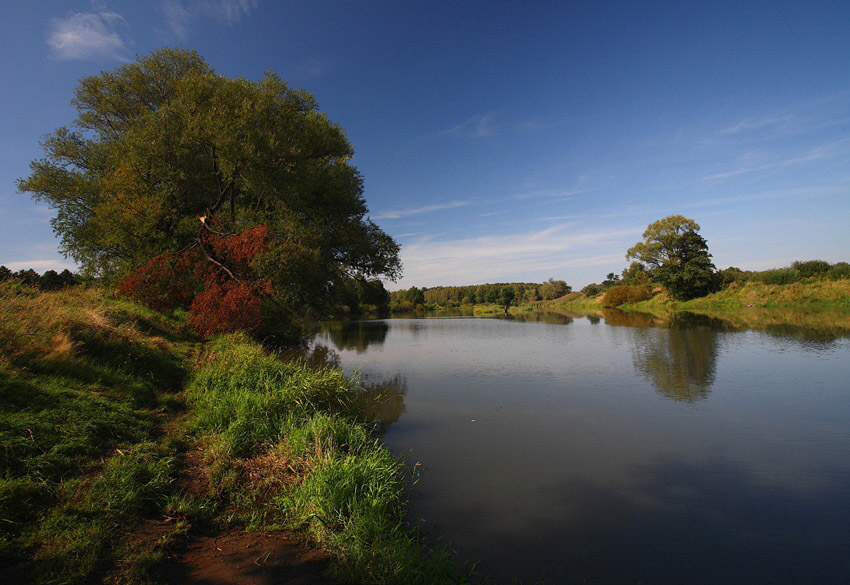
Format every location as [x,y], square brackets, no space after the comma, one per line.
[621,448]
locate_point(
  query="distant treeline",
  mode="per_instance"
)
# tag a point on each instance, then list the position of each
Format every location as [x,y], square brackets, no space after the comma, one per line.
[502,293]
[801,270]
[50,280]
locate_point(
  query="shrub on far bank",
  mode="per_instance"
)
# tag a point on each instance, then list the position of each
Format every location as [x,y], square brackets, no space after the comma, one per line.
[839,270]
[780,276]
[811,268]
[621,294]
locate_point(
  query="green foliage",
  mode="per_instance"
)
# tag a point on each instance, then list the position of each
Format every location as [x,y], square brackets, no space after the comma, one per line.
[780,276]
[49,281]
[636,275]
[734,275]
[811,268]
[359,295]
[839,270]
[510,293]
[676,256]
[593,289]
[94,514]
[248,398]
[167,156]
[662,241]
[348,492]
[79,466]
[415,296]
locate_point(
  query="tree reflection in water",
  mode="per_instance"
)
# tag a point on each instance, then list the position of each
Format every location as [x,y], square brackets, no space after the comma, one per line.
[383,402]
[549,317]
[380,403]
[356,335]
[679,360]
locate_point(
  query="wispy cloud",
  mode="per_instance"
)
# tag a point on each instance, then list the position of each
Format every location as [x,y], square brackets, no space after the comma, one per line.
[87,35]
[552,251]
[181,15]
[754,124]
[478,126]
[552,193]
[815,154]
[801,193]
[399,213]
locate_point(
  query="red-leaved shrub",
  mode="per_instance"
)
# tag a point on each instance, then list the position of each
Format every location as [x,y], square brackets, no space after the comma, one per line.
[222,308]
[237,250]
[218,301]
[166,282]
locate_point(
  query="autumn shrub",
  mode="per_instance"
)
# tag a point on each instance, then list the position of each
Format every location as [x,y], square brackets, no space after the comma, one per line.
[166,282]
[621,294]
[215,280]
[232,306]
[241,249]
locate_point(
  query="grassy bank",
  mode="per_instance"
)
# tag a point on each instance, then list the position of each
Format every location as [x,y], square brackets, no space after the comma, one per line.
[310,460]
[811,294]
[83,384]
[106,412]
[823,293]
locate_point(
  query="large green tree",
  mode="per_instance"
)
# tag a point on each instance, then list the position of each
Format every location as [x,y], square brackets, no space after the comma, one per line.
[676,256]
[229,181]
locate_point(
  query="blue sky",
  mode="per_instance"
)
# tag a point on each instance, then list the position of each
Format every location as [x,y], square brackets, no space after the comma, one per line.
[502,141]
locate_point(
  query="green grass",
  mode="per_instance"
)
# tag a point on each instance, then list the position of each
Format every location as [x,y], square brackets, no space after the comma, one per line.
[811,293]
[265,419]
[82,463]
[102,401]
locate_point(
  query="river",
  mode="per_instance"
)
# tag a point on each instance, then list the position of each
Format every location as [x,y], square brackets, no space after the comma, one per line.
[620,448]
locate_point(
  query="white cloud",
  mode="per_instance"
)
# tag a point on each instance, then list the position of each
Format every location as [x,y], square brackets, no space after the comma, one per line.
[180,15]
[493,258]
[40,265]
[87,35]
[399,213]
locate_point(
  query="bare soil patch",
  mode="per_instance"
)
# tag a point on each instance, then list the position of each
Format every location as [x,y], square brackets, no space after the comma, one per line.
[250,558]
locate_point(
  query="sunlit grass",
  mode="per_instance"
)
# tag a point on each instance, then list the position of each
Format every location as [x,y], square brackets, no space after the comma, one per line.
[266,419]
[80,378]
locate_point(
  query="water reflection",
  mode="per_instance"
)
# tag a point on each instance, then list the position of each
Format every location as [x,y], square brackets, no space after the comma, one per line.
[356,335]
[383,402]
[595,481]
[818,326]
[681,360]
[549,317]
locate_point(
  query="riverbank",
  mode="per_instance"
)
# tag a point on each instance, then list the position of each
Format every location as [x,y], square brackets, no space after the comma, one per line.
[821,293]
[130,445]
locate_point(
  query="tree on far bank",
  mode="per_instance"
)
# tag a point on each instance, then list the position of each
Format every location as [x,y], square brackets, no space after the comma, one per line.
[226,196]
[676,256]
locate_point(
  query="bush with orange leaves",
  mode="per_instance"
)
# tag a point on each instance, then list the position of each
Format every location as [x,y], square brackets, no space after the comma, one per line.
[618,295]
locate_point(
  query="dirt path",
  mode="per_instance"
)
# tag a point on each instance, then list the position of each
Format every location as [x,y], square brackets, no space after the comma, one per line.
[248,558]
[233,557]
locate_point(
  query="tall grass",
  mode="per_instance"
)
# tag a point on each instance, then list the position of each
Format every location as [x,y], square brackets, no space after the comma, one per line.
[264,417]
[79,381]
